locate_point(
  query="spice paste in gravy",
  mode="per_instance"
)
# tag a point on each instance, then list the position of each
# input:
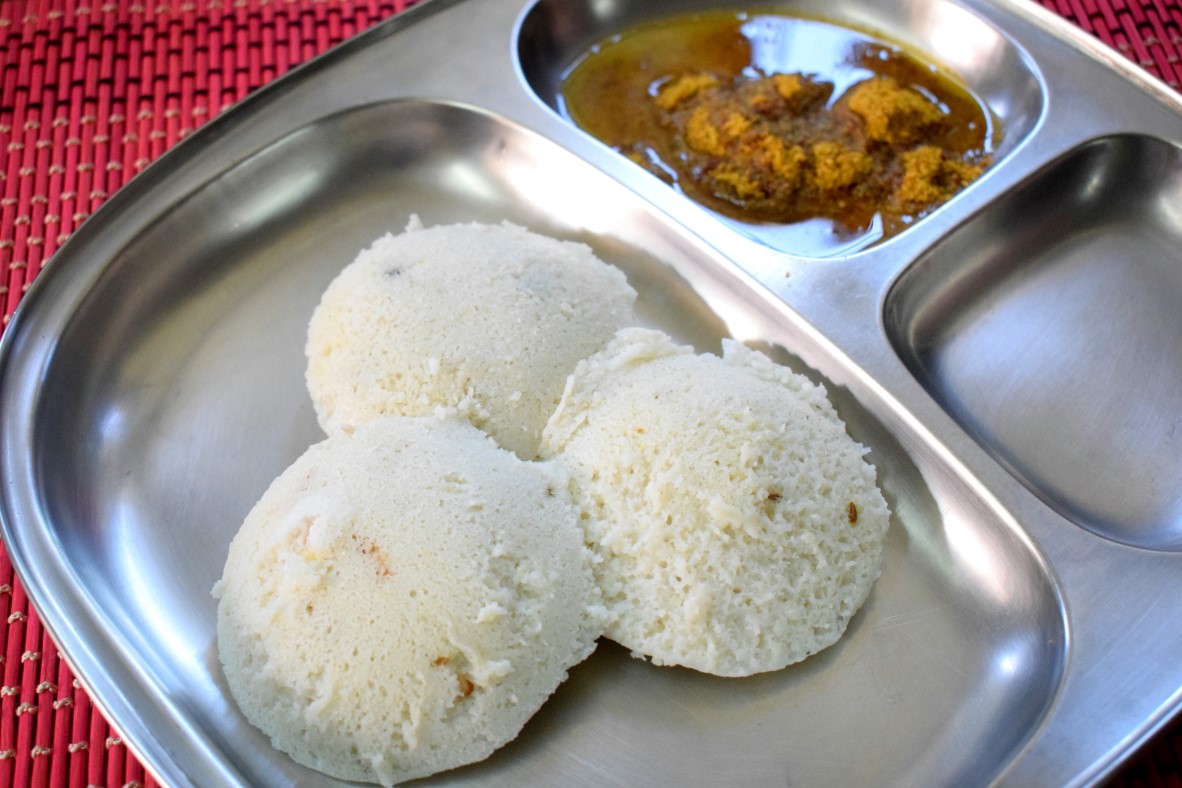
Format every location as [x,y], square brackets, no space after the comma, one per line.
[777,119]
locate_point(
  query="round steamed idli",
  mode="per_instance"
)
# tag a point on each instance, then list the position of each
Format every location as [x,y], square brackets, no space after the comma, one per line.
[485,319]
[401,600]
[737,525]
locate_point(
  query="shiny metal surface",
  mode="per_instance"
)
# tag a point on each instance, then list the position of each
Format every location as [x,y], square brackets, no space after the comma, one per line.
[1023,631]
[1058,348]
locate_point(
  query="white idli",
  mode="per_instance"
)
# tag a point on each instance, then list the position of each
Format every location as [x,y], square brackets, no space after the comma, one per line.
[486,320]
[737,525]
[401,600]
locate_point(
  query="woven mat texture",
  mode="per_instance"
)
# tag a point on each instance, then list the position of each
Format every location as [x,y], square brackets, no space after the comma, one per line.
[90,93]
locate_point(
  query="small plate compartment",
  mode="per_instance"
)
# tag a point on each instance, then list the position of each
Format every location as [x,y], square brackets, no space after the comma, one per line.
[554,34]
[1049,326]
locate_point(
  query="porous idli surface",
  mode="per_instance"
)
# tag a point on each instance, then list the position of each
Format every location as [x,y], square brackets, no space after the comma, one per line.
[485,320]
[738,526]
[402,599]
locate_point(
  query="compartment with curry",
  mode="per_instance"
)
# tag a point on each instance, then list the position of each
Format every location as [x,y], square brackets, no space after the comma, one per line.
[768,118]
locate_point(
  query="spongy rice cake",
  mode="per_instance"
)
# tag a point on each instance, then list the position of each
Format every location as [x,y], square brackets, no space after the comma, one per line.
[401,600]
[485,320]
[737,526]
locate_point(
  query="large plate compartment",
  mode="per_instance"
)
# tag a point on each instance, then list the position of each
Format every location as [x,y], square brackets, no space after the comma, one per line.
[163,395]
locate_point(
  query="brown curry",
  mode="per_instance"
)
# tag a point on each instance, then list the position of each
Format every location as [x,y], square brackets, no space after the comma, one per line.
[769,118]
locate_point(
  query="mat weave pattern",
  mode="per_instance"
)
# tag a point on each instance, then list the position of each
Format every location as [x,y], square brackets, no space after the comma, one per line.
[90,93]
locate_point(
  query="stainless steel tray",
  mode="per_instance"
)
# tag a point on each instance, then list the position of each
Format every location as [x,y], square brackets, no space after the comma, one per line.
[1013,359]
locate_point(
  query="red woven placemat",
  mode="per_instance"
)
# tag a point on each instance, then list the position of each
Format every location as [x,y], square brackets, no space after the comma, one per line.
[90,93]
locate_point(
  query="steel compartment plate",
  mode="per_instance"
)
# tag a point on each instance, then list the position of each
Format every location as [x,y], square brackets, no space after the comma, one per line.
[151,387]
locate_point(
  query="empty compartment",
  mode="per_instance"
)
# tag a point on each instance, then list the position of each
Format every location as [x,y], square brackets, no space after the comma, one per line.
[843,45]
[1049,326]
